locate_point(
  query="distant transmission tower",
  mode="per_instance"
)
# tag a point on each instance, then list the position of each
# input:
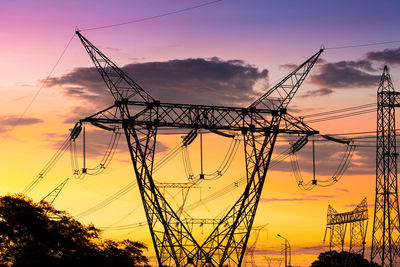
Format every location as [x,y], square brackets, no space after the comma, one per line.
[51,197]
[337,223]
[249,255]
[386,232]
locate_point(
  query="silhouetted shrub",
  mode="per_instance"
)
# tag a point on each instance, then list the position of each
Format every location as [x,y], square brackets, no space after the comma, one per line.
[36,234]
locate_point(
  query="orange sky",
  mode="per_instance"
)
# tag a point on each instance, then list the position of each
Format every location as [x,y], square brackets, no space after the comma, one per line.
[35,34]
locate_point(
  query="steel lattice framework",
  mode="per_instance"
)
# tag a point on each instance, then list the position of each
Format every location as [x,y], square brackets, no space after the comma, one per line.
[249,255]
[51,197]
[337,223]
[386,231]
[141,116]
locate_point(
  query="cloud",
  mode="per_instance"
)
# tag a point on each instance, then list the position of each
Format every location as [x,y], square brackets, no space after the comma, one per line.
[292,67]
[323,196]
[195,80]
[346,74]
[318,92]
[342,189]
[18,121]
[9,122]
[289,67]
[80,112]
[114,49]
[387,56]
[298,250]
[287,199]
[362,64]
[355,74]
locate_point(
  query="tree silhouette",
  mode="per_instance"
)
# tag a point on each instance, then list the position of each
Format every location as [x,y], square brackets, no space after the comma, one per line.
[341,259]
[36,234]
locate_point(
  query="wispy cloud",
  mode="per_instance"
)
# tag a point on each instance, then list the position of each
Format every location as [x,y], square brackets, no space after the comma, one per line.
[192,80]
[304,250]
[318,92]
[9,122]
[341,189]
[345,74]
[387,56]
[18,121]
[287,199]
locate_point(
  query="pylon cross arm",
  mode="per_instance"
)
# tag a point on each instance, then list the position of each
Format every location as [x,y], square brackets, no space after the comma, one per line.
[204,117]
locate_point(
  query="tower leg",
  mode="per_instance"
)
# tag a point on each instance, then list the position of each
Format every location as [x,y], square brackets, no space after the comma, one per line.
[170,236]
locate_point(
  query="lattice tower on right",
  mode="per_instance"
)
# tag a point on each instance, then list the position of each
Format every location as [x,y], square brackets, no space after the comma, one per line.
[386,233]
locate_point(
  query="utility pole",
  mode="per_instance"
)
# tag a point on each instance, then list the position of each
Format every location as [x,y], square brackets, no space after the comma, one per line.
[287,245]
[386,229]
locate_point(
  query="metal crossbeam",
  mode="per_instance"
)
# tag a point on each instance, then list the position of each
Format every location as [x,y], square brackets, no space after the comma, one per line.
[177,185]
[205,117]
[337,225]
[141,116]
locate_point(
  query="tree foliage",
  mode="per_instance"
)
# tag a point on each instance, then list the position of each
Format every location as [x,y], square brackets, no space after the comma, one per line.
[341,259]
[36,234]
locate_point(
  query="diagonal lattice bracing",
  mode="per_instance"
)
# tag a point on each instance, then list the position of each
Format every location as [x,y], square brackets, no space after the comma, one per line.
[141,116]
[337,224]
[386,229]
[51,197]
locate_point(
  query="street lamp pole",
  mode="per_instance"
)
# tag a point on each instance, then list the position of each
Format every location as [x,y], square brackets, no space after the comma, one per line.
[287,244]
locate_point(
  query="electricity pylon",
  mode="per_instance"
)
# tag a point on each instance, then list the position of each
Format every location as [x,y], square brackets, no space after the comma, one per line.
[386,231]
[141,116]
[51,197]
[249,255]
[337,223]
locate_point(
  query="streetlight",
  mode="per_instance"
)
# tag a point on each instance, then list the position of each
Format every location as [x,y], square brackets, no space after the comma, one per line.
[287,244]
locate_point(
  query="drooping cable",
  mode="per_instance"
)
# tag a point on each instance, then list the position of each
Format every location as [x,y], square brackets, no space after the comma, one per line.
[337,175]
[227,161]
[330,112]
[108,200]
[104,162]
[48,166]
[120,193]
[361,45]
[151,17]
[39,90]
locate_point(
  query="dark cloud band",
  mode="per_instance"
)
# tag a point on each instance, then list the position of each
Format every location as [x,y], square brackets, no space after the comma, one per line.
[196,81]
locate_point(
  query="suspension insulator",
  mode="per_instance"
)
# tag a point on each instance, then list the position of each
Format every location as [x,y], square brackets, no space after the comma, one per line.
[102,126]
[299,144]
[342,141]
[189,138]
[76,130]
[222,133]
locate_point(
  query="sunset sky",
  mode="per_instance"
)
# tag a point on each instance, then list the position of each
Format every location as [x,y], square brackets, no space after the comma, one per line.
[227,53]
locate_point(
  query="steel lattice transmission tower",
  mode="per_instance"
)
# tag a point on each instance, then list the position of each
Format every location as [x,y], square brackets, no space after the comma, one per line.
[51,197]
[337,224]
[386,232]
[249,258]
[141,116]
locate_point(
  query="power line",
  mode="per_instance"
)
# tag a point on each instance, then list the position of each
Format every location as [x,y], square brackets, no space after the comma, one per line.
[151,17]
[39,90]
[341,116]
[361,45]
[340,110]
